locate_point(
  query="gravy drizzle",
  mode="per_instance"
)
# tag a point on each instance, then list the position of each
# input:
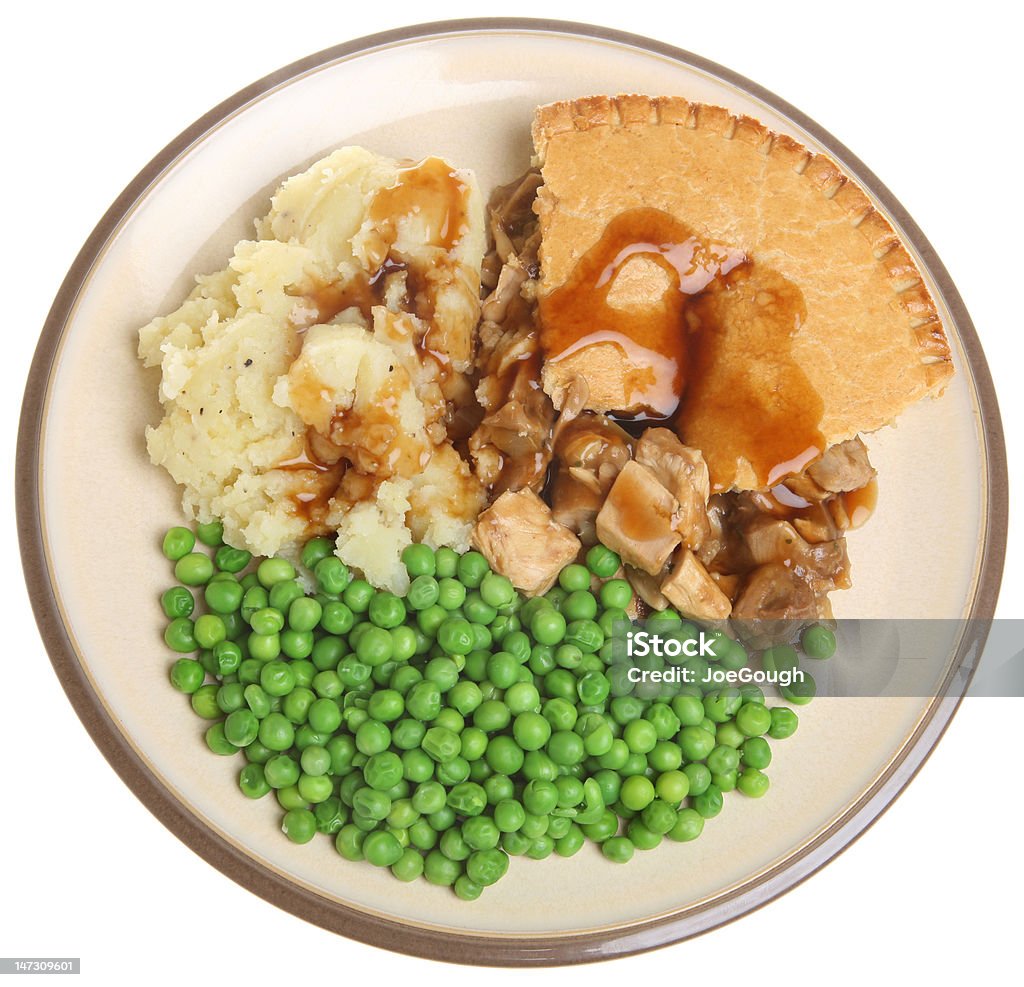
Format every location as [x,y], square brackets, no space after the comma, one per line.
[719,341]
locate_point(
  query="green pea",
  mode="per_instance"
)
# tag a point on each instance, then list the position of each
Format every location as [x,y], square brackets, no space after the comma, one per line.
[818,641]
[784,723]
[179,635]
[419,560]
[229,559]
[252,781]
[471,569]
[618,849]
[602,561]
[177,543]
[616,593]
[177,602]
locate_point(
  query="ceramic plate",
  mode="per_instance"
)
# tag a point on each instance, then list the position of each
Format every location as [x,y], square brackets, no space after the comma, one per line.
[83,470]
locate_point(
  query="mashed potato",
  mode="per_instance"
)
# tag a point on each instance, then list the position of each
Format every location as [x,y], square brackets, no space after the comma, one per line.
[307,385]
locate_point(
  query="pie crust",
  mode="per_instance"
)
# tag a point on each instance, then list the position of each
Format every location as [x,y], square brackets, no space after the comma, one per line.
[870,341]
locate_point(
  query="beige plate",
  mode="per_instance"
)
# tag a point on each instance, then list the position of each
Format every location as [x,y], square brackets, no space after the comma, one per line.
[83,471]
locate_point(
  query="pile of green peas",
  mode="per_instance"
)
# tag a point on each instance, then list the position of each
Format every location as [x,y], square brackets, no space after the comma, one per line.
[441,732]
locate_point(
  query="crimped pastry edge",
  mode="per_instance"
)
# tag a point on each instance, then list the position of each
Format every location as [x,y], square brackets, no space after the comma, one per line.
[634,110]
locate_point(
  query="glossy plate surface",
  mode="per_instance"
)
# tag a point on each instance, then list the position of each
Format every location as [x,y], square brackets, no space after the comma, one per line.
[92,509]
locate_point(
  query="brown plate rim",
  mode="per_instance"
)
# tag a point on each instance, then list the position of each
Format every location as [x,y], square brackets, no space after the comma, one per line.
[393,934]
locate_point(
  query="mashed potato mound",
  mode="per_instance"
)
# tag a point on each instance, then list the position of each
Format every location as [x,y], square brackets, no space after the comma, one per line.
[306,386]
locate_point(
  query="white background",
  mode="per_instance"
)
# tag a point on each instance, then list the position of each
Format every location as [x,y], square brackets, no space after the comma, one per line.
[928,99]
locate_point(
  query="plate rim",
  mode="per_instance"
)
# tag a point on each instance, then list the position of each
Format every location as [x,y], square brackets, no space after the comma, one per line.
[487,949]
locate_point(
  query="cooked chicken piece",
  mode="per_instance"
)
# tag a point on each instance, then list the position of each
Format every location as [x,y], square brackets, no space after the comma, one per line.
[591,451]
[638,519]
[646,587]
[769,540]
[683,472]
[521,540]
[843,467]
[690,589]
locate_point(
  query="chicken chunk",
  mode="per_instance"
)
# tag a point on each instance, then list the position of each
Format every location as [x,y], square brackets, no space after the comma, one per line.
[683,472]
[690,589]
[638,519]
[843,467]
[522,541]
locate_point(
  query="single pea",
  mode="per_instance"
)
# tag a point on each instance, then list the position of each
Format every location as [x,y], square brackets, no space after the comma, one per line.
[336,617]
[241,727]
[709,802]
[455,636]
[423,593]
[818,641]
[467,889]
[177,602]
[382,849]
[179,635]
[177,543]
[228,559]
[492,716]
[276,732]
[187,675]
[330,815]
[315,788]
[548,626]
[801,691]
[618,849]
[696,743]
[497,590]
[616,593]
[574,577]
[223,596]
[304,614]
[446,563]
[753,719]
[477,610]
[274,570]
[438,869]
[672,786]
[211,533]
[262,648]
[486,867]
[372,736]
[386,610]
[209,630]
[753,783]
[784,723]
[471,569]
[659,817]
[218,742]
[332,575]
[419,560]
[689,825]
[374,646]
[349,842]
[451,594]
[637,793]
[640,736]
[699,777]
[579,605]
[602,561]
[756,753]
[253,782]
[409,866]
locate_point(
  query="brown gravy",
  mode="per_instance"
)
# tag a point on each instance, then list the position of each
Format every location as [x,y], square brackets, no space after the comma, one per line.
[720,340]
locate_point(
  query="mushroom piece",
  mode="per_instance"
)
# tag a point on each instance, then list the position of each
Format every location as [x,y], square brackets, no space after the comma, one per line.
[774,601]
[591,451]
[684,474]
[638,519]
[522,541]
[693,592]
